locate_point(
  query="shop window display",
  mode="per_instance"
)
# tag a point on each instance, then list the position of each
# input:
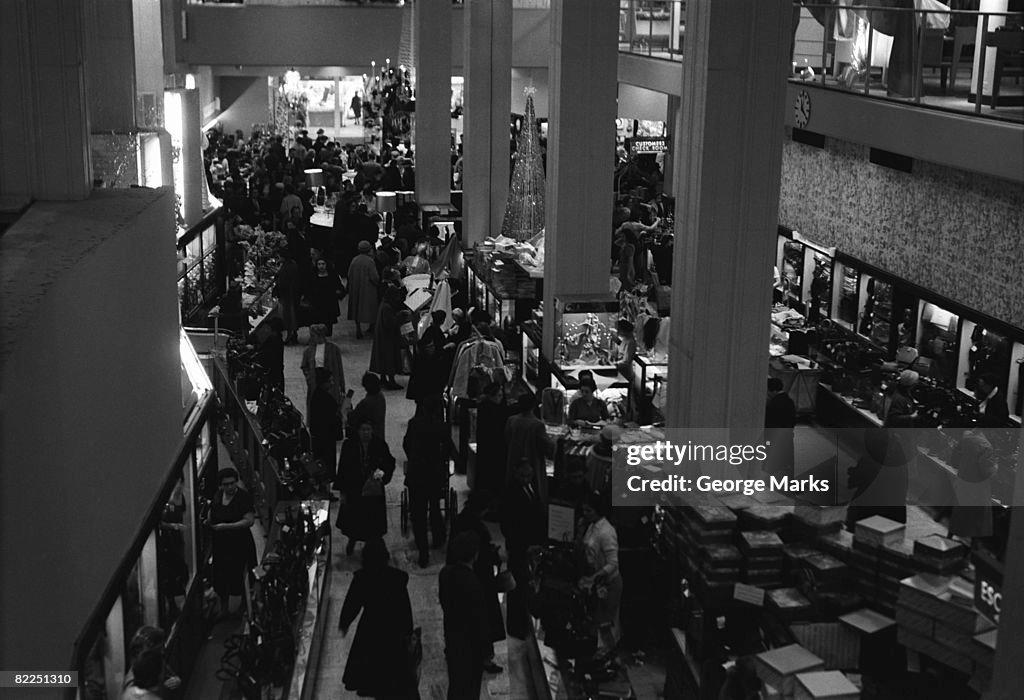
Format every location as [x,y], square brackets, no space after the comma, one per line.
[844,299]
[937,336]
[875,321]
[791,269]
[818,295]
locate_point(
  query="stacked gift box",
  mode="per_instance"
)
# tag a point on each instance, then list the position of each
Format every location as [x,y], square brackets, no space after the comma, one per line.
[779,667]
[762,558]
[880,559]
[810,522]
[707,531]
[765,518]
[789,604]
[824,685]
[936,617]
[940,555]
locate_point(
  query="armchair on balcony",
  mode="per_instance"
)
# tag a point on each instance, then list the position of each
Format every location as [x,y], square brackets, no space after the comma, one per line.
[1009,47]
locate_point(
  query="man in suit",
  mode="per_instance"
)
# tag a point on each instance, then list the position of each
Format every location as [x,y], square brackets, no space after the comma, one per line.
[398,175]
[466,630]
[993,409]
[523,523]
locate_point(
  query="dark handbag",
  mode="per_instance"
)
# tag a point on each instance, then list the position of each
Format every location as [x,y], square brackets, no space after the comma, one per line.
[373,487]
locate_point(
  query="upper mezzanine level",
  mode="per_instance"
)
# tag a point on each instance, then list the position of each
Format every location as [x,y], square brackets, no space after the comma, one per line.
[339,33]
[887,77]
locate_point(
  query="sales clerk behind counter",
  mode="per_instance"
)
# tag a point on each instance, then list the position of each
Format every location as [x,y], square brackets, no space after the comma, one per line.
[587,407]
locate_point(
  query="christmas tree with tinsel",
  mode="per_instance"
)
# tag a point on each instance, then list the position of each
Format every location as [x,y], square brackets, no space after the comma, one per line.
[524,212]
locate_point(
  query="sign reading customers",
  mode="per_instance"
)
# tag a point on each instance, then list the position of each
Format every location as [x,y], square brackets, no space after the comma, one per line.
[649,145]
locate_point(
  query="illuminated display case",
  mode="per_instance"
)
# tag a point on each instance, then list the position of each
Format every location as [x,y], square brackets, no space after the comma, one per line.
[650,378]
[200,265]
[584,338]
[503,288]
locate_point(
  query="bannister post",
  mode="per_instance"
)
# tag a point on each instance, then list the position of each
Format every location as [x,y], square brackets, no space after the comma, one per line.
[981,49]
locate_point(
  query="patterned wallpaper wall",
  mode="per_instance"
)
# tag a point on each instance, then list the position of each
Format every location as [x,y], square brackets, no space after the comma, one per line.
[957,233]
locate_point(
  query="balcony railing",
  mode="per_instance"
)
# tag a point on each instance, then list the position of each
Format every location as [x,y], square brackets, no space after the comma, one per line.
[652,28]
[924,57]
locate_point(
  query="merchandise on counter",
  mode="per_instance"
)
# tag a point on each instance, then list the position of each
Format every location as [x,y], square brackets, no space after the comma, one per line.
[825,685]
[779,667]
[765,517]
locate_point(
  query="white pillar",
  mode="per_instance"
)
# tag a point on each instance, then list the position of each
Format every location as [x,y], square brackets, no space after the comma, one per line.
[727,171]
[487,104]
[581,156]
[433,27]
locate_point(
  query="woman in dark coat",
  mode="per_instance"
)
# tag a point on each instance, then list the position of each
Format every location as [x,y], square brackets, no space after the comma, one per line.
[363,279]
[490,440]
[378,664]
[234,551]
[429,374]
[386,356]
[324,422]
[365,466]
[323,293]
[373,407]
[469,520]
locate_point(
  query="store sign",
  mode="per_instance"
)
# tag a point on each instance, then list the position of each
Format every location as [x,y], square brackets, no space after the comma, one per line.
[988,587]
[650,145]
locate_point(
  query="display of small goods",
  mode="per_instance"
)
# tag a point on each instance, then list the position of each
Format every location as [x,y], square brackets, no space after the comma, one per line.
[819,294]
[791,271]
[845,303]
[585,334]
[936,341]
[876,315]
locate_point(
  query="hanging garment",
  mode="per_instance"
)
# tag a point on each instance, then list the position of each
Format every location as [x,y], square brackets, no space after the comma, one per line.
[443,302]
[475,356]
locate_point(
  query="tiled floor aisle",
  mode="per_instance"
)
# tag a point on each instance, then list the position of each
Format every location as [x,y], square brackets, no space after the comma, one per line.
[422,582]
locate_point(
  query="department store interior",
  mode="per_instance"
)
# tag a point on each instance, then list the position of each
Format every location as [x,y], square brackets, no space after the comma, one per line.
[344,341]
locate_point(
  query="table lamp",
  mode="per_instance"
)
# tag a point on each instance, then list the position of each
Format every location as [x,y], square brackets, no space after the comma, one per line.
[387,205]
[315,181]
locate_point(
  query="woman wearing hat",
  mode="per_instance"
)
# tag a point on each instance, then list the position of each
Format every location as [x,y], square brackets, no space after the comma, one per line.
[363,282]
[900,402]
[234,551]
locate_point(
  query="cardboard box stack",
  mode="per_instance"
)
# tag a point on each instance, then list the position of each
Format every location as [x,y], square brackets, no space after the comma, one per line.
[779,667]
[939,555]
[825,685]
[878,558]
[762,558]
[936,617]
[707,531]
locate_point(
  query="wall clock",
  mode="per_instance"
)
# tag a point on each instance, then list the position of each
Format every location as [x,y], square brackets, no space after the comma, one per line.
[802,109]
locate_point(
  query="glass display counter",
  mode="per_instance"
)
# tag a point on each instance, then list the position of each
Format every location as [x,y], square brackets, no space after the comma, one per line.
[650,378]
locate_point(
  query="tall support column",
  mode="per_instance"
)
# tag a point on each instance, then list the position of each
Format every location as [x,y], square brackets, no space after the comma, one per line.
[580,161]
[727,172]
[44,123]
[110,65]
[671,120]
[433,27]
[487,103]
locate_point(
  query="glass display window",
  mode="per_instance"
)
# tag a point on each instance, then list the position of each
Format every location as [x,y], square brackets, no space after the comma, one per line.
[982,351]
[875,317]
[817,294]
[791,269]
[845,291]
[937,342]
[1015,390]
[585,332]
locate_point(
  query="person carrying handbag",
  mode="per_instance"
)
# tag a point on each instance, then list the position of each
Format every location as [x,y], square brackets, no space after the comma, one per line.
[364,468]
